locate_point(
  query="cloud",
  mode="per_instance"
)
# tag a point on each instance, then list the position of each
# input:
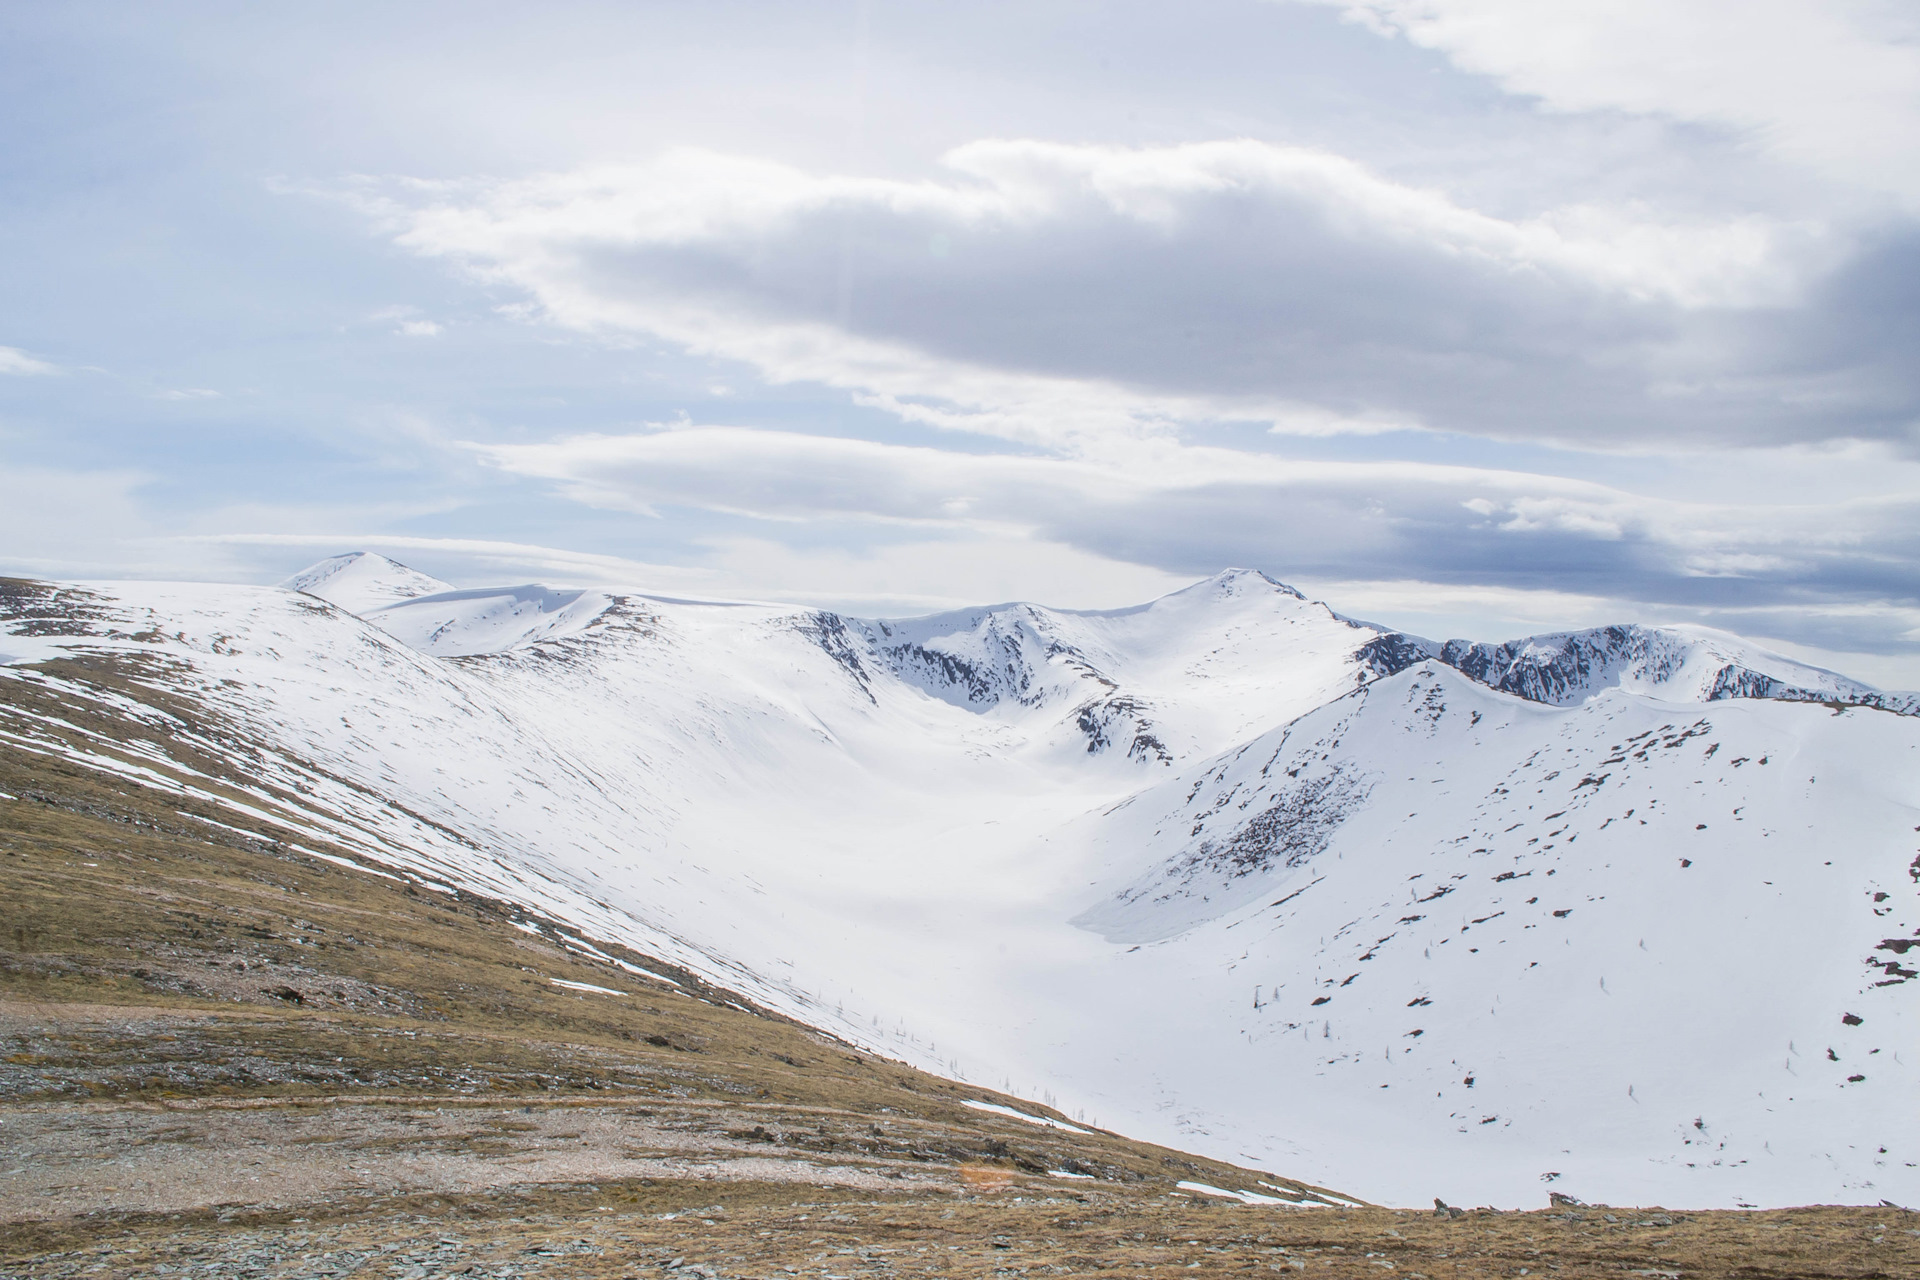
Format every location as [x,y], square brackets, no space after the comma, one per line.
[408,321]
[1188,509]
[891,579]
[1065,294]
[491,554]
[40,537]
[930,574]
[1122,314]
[187,393]
[1832,86]
[18,363]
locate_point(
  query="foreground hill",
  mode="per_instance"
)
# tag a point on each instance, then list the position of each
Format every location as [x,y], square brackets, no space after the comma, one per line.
[167,953]
[1227,871]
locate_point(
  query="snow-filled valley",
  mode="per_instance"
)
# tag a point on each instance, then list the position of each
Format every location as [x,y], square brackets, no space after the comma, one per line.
[1622,913]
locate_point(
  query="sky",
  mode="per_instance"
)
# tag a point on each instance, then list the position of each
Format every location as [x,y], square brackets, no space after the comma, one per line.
[1473,317]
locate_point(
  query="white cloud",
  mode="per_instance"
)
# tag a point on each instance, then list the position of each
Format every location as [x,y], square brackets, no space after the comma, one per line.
[40,537]
[1255,283]
[1433,608]
[1831,85]
[1615,249]
[18,363]
[934,574]
[187,393]
[1169,504]
[532,230]
[486,555]
[791,476]
[930,573]
[1888,671]
[408,321]
[774,475]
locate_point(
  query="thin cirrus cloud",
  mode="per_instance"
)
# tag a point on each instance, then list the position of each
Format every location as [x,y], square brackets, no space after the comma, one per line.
[1180,506]
[1049,292]
[887,579]
[17,363]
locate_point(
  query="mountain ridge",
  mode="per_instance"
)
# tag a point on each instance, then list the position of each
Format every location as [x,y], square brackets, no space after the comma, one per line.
[1553,667]
[761,795]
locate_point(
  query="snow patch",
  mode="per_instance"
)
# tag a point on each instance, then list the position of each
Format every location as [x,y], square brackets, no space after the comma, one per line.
[998,1110]
[587,986]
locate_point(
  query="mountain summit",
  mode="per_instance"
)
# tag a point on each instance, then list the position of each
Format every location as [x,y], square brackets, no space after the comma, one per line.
[361,580]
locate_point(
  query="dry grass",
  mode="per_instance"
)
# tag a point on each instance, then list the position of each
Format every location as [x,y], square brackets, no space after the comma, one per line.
[611,1228]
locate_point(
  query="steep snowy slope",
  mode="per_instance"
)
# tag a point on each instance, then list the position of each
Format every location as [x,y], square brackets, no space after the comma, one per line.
[1164,866]
[1640,950]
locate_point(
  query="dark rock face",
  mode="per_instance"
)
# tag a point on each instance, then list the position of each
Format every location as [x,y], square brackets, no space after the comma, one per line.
[1116,717]
[1568,667]
[839,642]
[1558,669]
[1392,653]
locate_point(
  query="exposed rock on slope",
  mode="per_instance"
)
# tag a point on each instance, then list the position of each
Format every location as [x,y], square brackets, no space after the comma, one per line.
[1690,664]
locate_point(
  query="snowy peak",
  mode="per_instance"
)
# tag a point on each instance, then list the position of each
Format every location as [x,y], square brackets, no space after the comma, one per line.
[435,618]
[1235,584]
[361,580]
[1188,674]
[1675,664]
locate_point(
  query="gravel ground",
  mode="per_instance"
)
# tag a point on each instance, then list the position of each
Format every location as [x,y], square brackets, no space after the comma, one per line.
[61,1160]
[599,1231]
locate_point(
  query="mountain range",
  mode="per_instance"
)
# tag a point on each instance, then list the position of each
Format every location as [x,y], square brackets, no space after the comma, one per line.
[1624,913]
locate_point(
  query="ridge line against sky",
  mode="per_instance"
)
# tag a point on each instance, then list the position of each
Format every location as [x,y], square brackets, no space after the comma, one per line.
[1473,317]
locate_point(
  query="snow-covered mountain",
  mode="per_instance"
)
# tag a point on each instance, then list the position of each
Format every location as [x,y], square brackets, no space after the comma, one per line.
[1226,870]
[1694,664]
[1193,672]
[360,580]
